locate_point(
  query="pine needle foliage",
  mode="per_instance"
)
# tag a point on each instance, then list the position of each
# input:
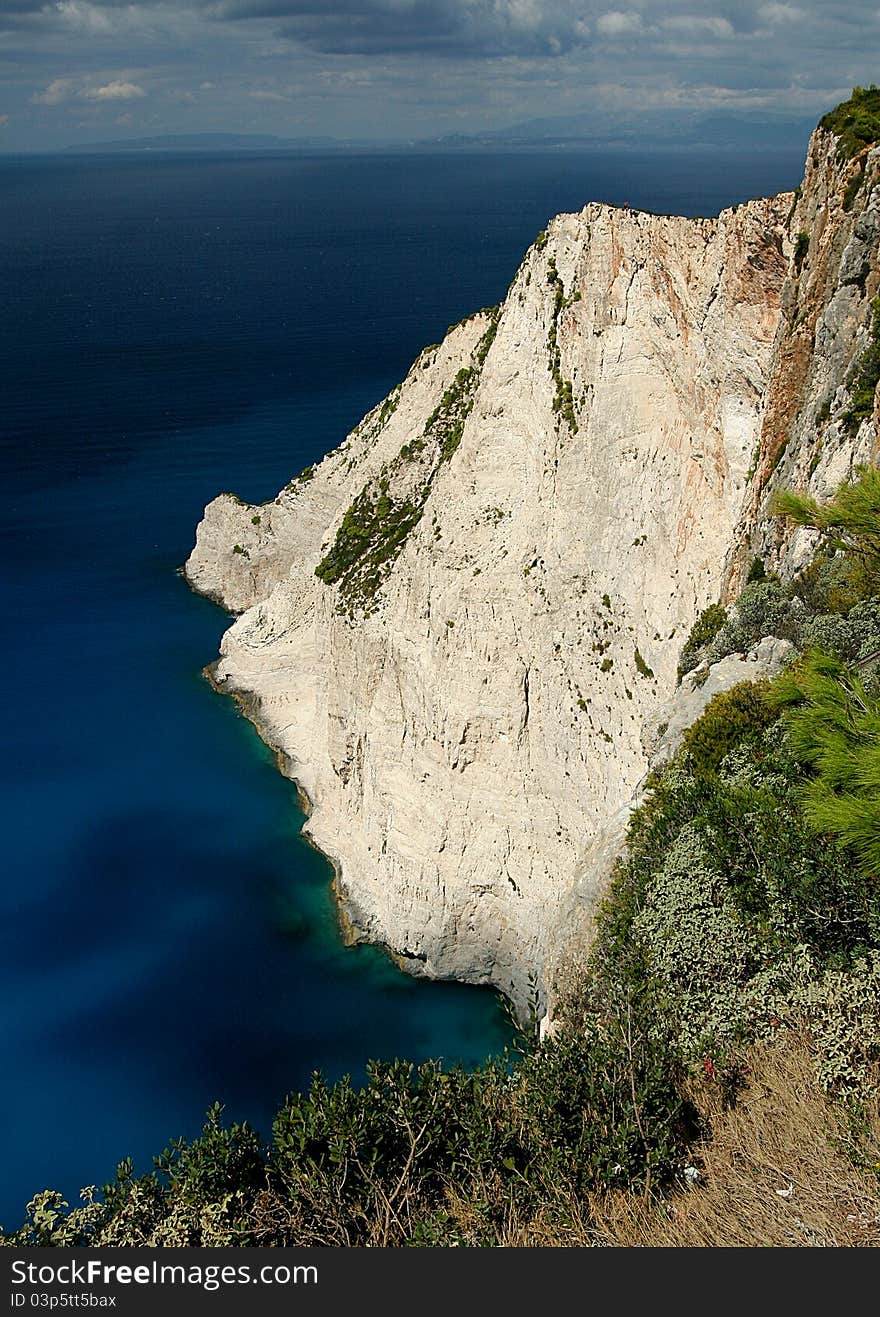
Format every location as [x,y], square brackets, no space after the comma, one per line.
[849,522]
[833,711]
[833,724]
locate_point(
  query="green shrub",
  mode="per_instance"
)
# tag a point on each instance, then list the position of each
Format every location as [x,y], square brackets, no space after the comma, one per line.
[389,405]
[699,945]
[865,376]
[852,637]
[730,910]
[856,121]
[831,583]
[728,719]
[641,666]
[704,630]
[764,607]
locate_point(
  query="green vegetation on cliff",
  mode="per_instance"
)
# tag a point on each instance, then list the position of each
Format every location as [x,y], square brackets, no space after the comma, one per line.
[370,537]
[865,375]
[856,121]
[563,400]
[376,526]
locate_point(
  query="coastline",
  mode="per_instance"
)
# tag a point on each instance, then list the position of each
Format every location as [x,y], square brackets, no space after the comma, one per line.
[350,932]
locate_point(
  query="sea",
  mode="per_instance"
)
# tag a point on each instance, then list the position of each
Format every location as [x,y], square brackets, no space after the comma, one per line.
[172,326]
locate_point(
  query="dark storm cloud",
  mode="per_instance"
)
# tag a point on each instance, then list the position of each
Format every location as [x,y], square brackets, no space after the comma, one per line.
[462,28]
[488,28]
[553,27]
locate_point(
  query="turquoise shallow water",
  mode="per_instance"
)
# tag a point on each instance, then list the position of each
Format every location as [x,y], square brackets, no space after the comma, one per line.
[171,328]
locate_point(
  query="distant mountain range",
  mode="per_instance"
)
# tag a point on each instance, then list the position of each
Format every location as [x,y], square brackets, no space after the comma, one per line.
[202,142]
[721,130]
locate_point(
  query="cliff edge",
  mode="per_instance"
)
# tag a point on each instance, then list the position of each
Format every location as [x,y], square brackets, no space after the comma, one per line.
[456,628]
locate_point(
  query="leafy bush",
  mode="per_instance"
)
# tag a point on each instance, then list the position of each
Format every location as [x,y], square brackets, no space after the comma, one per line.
[865,376]
[730,910]
[853,636]
[389,405]
[641,666]
[699,945]
[446,422]
[764,608]
[729,718]
[704,630]
[380,1164]
[856,121]
[832,583]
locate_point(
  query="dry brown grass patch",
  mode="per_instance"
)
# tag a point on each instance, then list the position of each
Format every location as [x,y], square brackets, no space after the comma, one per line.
[780,1169]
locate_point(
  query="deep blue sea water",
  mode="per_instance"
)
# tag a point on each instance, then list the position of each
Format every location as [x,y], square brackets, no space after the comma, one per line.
[171,327]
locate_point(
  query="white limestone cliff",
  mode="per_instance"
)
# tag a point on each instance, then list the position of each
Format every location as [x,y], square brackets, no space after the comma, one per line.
[544,506]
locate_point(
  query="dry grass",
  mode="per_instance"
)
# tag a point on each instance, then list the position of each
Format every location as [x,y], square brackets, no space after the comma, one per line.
[779,1170]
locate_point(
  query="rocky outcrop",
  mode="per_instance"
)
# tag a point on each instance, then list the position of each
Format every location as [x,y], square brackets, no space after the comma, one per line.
[808,437]
[664,733]
[457,627]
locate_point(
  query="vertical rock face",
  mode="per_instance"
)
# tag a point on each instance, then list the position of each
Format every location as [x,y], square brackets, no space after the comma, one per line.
[511,549]
[809,438]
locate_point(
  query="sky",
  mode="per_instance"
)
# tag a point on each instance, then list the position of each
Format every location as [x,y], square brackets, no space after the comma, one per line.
[74,71]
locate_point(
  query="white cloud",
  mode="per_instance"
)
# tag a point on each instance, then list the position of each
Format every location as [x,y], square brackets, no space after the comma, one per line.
[84,16]
[62,89]
[777,13]
[55,93]
[696,25]
[617,24]
[114,91]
